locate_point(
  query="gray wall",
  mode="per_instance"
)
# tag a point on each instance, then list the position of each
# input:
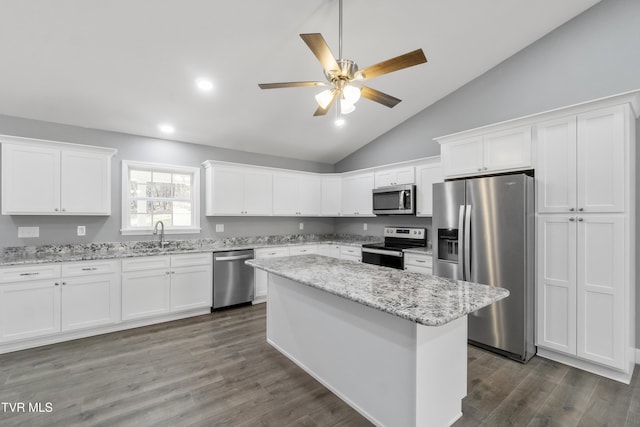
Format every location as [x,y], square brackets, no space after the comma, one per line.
[130,147]
[592,56]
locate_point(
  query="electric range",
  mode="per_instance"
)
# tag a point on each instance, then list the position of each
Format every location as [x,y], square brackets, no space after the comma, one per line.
[390,253]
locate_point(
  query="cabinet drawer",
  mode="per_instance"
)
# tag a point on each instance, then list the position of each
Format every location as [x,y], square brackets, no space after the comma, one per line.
[418,260]
[187,260]
[30,272]
[146,263]
[304,250]
[88,268]
[350,250]
[271,252]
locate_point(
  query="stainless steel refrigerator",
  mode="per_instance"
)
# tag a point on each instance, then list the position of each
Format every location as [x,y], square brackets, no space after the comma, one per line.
[483,232]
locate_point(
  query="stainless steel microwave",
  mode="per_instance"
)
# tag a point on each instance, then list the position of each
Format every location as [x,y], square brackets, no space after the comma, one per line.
[394,200]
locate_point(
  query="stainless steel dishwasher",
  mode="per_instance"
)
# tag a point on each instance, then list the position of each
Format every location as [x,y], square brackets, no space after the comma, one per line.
[232,278]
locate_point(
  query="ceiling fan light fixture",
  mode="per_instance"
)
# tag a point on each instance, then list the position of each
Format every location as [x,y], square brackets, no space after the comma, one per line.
[346,107]
[324,98]
[339,121]
[351,94]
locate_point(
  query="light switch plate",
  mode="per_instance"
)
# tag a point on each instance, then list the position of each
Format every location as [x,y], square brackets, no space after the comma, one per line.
[365,226]
[82,230]
[219,228]
[302,226]
[28,232]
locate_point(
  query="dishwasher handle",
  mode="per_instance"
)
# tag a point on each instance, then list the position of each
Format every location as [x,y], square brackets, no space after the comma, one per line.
[233,258]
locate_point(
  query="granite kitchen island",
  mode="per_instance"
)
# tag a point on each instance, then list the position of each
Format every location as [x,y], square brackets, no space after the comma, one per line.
[390,343]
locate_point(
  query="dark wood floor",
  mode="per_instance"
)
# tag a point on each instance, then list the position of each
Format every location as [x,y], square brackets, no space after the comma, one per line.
[218,370]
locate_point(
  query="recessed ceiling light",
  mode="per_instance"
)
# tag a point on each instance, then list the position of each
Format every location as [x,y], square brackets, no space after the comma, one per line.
[204,85]
[166,128]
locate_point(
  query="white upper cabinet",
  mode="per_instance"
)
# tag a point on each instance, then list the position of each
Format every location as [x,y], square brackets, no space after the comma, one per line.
[428,174]
[331,195]
[356,194]
[233,190]
[581,163]
[499,151]
[52,178]
[395,176]
[297,194]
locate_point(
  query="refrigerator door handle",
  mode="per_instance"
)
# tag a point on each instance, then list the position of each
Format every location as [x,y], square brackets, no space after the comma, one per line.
[467,243]
[462,243]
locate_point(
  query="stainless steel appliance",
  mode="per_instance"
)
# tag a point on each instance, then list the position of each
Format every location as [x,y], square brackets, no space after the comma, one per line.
[394,200]
[390,253]
[232,278]
[484,233]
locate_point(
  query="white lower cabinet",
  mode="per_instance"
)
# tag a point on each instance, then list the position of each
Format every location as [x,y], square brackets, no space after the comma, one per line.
[261,277]
[30,309]
[329,250]
[418,263]
[583,292]
[66,297]
[157,285]
[351,253]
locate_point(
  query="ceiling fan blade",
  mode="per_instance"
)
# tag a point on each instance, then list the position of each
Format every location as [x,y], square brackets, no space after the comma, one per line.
[394,64]
[289,84]
[379,97]
[321,50]
[322,111]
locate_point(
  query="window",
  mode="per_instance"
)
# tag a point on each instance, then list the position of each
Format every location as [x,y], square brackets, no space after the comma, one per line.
[152,193]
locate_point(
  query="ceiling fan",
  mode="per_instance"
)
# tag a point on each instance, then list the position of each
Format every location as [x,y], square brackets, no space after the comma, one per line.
[341,74]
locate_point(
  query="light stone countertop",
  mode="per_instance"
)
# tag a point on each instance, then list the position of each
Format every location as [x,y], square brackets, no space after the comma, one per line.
[26,255]
[420,298]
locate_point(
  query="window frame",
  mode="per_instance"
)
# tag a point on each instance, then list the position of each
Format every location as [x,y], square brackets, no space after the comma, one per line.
[128,230]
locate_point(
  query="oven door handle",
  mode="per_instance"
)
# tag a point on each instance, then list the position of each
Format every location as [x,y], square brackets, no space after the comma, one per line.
[382,252]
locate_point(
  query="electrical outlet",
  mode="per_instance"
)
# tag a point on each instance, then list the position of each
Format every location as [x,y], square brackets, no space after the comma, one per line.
[28,232]
[365,227]
[82,230]
[302,226]
[219,228]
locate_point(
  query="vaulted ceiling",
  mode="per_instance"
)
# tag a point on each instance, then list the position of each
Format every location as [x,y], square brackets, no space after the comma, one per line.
[129,65]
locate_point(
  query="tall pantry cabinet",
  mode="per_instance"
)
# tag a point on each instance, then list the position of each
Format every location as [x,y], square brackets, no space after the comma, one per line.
[585,184]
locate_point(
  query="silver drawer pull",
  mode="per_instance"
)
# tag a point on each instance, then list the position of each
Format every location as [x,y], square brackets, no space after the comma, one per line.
[90,269]
[29,274]
[421,260]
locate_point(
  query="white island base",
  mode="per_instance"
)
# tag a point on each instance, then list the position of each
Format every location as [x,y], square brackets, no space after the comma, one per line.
[393,371]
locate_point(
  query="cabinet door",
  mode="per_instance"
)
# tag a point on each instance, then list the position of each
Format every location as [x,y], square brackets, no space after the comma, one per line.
[428,175]
[309,195]
[285,194]
[356,194]
[601,165]
[29,309]
[258,191]
[30,180]
[90,301]
[191,287]
[225,191]
[351,253]
[331,196]
[418,269]
[85,183]
[556,165]
[556,283]
[261,277]
[385,178]
[145,294]
[601,290]
[508,149]
[462,157]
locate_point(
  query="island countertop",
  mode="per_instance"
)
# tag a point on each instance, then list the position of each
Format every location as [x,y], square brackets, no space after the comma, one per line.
[420,298]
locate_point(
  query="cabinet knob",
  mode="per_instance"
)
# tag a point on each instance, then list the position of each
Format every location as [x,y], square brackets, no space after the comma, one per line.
[571,209]
[479,169]
[64,283]
[64,210]
[581,209]
[580,219]
[57,284]
[572,219]
[486,168]
[56,209]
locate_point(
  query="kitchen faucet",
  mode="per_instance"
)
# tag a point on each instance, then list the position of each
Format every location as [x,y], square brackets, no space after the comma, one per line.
[155,231]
